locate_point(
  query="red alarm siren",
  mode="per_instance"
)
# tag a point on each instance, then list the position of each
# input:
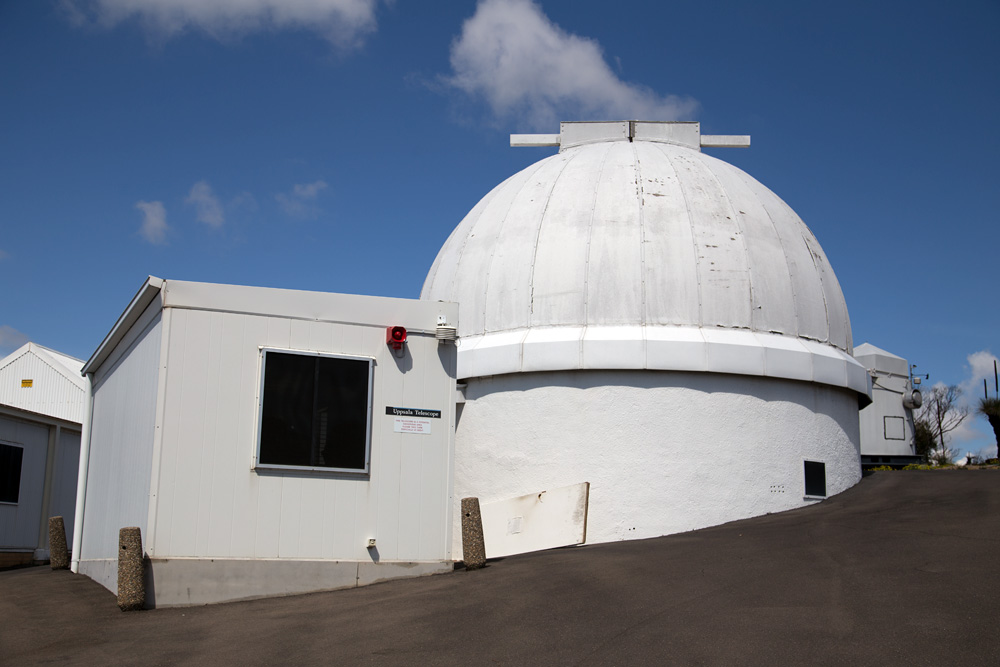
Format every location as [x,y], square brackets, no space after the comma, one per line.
[395,336]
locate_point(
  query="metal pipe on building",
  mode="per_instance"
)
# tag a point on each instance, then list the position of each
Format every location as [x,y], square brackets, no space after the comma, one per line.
[81,480]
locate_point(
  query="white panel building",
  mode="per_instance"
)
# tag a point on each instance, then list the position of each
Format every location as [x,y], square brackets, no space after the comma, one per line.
[269,441]
[649,319]
[42,401]
[887,436]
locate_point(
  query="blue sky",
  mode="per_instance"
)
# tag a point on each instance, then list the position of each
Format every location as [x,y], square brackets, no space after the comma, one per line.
[334,144]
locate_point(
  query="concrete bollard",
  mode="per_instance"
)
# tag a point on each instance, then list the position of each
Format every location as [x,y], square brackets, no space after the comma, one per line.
[473,546]
[131,582]
[58,554]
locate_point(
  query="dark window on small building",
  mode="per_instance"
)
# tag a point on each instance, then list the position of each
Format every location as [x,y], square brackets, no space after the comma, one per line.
[10,473]
[815,478]
[315,411]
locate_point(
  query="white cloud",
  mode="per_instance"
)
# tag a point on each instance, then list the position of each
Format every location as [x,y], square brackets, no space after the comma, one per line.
[524,66]
[3,254]
[206,205]
[980,368]
[309,190]
[10,339]
[975,434]
[343,22]
[154,221]
[244,201]
[299,202]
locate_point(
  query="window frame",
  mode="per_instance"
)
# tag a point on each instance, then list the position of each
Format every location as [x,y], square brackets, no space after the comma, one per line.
[805,480]
[262,362]
[20,473]
[885,427]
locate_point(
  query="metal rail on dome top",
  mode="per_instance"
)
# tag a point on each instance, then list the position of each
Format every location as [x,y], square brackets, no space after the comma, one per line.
[682,133]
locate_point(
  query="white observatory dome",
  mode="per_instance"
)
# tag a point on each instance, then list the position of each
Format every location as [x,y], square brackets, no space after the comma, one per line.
[642,253]
[651,320]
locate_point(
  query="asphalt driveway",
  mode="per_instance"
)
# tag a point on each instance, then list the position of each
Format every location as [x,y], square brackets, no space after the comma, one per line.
[901,569]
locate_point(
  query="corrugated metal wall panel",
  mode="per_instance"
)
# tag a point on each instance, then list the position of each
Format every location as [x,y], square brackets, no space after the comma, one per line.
[212,504]
[51,392]
[225,433]
[245,332]
[121,451]
[19,523]
[64,476]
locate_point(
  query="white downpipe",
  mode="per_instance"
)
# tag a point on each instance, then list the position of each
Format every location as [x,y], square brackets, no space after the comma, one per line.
[81,479]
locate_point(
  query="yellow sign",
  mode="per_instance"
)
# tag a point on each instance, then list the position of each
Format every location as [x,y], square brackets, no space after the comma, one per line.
[26,383]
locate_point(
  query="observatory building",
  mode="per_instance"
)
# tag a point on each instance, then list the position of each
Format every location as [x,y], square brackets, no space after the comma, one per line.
[887,429]
[653,321]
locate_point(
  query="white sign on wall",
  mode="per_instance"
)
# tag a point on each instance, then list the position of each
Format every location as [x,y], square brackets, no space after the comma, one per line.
[411,425]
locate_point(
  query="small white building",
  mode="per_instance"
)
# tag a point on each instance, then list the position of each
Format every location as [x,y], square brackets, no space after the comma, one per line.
[269,441]
[649,319]
[42,401]
[887,435]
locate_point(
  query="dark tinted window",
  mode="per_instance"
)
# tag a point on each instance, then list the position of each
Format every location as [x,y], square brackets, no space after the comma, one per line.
[10,473]
[815,478]
[315,411]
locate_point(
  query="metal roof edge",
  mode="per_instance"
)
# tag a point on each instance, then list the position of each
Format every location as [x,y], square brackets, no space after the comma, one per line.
[306,304]
[133,311]
[16,354]
[867,349]
[51,358]
[56,354]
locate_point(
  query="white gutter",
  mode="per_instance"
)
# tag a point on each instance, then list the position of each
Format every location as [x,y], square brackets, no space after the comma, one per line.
[81,479]
[133,312]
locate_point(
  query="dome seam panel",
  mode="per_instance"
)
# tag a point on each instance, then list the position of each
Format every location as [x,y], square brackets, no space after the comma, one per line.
[479,209]
[694,240]
[743,237]
[796,304]
[816,270]
[590,236]
[538,232]
[642,234]
[503,221]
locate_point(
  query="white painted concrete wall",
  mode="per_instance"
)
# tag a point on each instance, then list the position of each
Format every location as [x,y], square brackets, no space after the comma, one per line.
[118,485]
[663,452]
[19,522]
[211,504]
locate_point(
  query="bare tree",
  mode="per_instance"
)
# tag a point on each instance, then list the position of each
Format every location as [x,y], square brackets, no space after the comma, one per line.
[990,408]
[924,442]
[942,414]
